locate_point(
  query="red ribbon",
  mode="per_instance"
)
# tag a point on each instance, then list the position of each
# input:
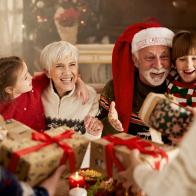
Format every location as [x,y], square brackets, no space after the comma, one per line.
[131,143]
[46,140]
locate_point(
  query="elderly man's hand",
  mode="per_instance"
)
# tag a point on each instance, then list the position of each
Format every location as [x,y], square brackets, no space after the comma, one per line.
[113,118]
[93,125]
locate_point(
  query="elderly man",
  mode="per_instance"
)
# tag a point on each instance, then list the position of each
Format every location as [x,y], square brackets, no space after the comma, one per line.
[141,63]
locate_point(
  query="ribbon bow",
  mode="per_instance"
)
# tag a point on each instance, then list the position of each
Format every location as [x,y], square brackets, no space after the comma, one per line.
[131,143]
[183,91]
[46,140]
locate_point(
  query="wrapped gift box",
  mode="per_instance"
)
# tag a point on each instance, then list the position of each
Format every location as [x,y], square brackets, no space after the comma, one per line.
[165,115]
[33,160]
[110,157]
[15,129]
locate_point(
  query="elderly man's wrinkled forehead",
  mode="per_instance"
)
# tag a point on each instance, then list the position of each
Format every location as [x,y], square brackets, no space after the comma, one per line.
[153,50]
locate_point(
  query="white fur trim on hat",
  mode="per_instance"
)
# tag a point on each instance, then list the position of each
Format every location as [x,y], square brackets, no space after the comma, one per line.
[152,36]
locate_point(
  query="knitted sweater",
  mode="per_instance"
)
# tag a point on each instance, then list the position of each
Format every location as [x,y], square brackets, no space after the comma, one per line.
[69,109]
[136,126]
[28,108]
[185,93]
[176,178]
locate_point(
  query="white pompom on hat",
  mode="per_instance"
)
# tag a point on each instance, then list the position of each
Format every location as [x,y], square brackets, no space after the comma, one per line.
[152,36]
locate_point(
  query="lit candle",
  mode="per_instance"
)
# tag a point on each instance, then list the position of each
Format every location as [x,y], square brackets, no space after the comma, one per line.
[76,180]
[77,191]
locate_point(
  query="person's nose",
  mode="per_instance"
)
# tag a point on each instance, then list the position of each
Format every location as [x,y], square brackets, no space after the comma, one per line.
[190,62]
[158,63]
[66,70]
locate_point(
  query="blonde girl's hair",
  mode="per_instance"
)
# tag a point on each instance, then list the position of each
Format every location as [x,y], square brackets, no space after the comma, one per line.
[9,68]
[56,52]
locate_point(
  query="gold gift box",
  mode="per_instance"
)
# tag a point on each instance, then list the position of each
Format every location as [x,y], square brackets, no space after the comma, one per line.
[38,165]
[98,160]
[14,129]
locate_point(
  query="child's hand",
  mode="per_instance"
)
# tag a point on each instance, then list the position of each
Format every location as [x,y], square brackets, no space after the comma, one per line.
[81,90]
[113,118]
[50,184]
[93,125]
[3,133]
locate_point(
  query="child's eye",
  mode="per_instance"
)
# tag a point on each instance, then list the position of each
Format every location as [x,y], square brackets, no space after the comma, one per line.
[194,58]
[26,76]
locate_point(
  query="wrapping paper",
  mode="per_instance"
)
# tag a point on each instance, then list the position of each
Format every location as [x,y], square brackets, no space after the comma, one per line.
[44,156]
[166,116]
[110,162]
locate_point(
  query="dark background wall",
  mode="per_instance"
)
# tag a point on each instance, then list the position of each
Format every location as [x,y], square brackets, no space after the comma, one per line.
[101,19]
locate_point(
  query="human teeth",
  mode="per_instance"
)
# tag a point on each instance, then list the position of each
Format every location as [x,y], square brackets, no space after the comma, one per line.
[157,74]
[66,79]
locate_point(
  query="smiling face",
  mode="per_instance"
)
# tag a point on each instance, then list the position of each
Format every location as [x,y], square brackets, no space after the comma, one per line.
[186,67]
[64,75]
[184,55]
[153,63]
[23,82]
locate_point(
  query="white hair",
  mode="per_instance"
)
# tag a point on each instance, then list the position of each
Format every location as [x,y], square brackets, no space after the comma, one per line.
[57,51]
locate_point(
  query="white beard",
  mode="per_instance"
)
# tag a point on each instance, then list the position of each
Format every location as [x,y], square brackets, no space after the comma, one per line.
[155,80]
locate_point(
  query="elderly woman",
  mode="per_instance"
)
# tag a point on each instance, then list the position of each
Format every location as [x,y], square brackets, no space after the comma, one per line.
[61,104]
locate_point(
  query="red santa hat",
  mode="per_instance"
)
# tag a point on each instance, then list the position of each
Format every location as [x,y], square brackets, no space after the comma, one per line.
[131,40]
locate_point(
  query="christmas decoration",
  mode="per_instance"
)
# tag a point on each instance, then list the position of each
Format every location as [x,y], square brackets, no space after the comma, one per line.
[41,28]
[40,19]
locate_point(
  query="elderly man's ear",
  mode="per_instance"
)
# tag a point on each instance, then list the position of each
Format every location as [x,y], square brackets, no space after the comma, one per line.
[135,60]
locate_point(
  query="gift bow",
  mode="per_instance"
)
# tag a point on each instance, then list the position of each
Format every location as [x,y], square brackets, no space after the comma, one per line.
[131,143]
[183,91]
[46,140]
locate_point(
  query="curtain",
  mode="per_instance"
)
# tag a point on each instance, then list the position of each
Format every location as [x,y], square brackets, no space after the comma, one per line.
[11,27]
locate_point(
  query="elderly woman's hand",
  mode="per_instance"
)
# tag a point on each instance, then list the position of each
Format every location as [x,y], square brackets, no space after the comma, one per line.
[81,90]
[93,125]
[113,118]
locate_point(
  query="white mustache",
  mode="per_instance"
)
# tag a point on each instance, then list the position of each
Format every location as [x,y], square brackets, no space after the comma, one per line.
[158,71]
